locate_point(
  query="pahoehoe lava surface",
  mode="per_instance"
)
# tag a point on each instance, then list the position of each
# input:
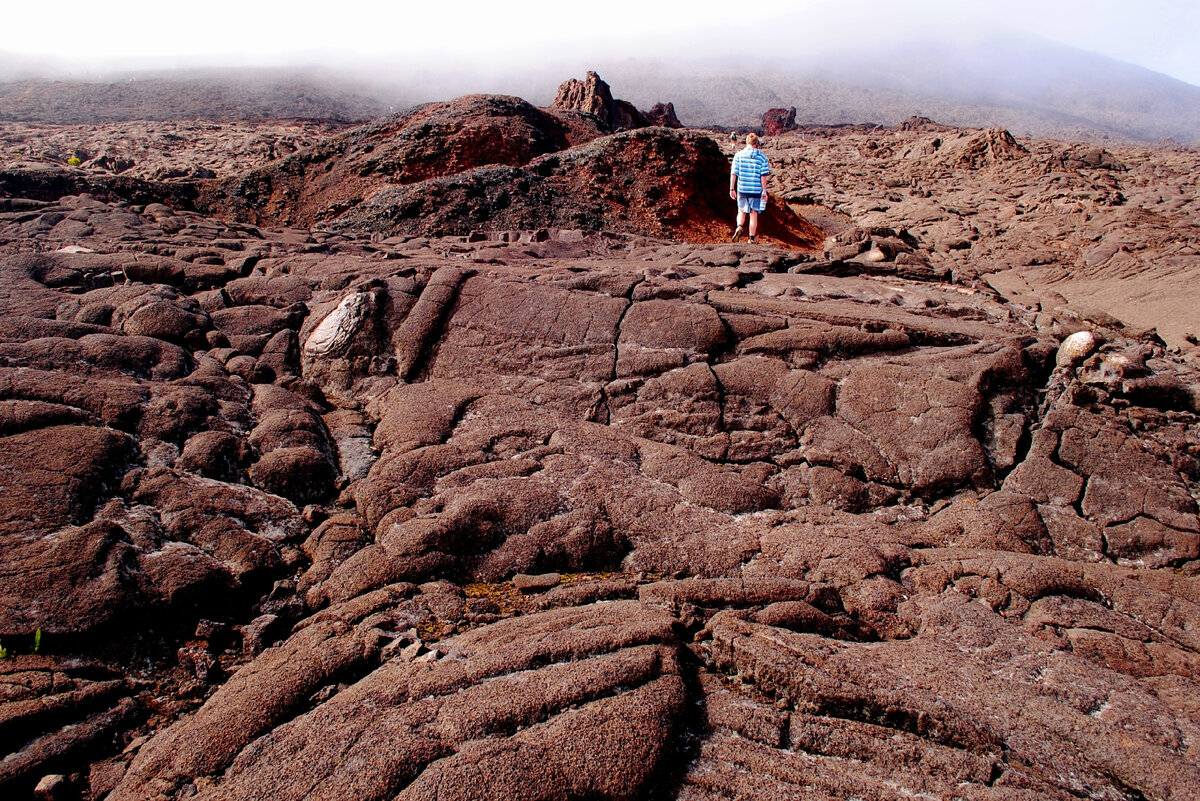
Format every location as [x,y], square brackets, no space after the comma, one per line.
[433,461]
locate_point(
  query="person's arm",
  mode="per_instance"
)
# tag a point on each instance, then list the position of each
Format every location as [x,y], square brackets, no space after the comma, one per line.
[763,178]
[733,180]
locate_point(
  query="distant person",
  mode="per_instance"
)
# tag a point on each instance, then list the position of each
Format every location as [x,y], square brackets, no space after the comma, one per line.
[748,185]
[733,137]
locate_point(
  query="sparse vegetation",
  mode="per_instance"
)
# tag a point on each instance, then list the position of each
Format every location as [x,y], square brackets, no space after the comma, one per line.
[5,652]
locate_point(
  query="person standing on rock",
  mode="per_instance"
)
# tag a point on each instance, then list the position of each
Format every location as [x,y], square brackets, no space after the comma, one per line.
[748,185]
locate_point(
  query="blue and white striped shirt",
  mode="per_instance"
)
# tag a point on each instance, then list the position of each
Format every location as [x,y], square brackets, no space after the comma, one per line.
[749,165]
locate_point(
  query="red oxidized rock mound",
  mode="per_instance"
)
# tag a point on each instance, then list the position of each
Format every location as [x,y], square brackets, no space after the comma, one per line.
[776,121]
[651,181]
[497,163]
[319,183]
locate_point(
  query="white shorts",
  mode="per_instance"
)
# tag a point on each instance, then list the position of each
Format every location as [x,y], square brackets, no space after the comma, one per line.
[748,203]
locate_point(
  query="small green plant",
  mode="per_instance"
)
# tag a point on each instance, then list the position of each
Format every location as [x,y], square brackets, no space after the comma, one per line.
[74,161]
[37,640]
[3,652]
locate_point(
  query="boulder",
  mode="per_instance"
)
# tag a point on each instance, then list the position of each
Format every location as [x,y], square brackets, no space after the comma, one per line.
[776,121]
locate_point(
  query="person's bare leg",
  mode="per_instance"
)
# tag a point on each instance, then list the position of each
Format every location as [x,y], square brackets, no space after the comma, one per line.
[753,223]
[741,220]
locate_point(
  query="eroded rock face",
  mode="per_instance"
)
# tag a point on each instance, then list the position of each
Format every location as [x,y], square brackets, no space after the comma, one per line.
[663,114]
[593,96]
[776,121]
[557,513]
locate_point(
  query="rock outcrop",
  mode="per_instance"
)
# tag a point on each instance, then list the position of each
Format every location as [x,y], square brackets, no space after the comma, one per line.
[593,96]
[663,114]
[776,121]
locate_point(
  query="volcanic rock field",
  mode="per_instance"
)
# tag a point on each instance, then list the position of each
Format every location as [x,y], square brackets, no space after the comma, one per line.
[460,455]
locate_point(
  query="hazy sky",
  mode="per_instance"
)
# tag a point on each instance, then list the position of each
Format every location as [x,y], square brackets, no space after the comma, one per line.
[1159,34]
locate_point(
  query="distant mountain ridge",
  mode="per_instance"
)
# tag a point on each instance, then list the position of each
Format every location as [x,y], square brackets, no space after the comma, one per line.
[217,95]
[1028,86]
[1032,87]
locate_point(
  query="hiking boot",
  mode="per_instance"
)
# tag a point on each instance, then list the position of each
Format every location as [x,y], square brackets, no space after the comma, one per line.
[737,234]
[751,240]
